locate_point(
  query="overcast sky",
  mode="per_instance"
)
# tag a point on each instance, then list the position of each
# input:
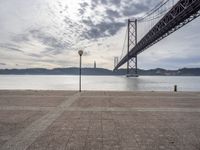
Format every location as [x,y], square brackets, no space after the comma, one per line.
[48,34]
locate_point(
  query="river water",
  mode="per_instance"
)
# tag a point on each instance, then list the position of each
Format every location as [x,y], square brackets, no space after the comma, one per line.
[111,83]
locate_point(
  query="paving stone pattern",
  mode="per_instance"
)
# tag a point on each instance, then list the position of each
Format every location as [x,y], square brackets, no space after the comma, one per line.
[68,120]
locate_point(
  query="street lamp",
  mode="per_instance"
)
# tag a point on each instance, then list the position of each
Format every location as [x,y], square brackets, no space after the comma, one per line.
[80,52]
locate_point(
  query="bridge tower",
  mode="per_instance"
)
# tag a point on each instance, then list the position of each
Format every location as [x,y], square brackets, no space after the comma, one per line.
[116,61]
[132,41]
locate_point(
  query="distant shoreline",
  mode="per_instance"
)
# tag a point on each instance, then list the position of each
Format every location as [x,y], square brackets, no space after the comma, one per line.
[94,75]
[100,72]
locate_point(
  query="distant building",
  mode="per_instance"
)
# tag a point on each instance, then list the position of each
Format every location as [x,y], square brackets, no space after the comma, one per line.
[95,65]
[115,61]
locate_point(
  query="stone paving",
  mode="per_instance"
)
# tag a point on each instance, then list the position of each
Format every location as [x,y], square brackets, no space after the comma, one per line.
[68,120]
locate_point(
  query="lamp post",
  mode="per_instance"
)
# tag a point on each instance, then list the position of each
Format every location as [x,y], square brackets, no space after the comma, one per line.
[80,52]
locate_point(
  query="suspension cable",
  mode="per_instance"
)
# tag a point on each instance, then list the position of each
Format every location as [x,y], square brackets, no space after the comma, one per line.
[157,7]
[123,47]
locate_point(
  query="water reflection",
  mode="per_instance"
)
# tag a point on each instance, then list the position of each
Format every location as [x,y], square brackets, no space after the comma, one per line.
[113,83]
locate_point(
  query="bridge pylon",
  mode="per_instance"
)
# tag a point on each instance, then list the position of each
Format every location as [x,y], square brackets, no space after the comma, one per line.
[132,41]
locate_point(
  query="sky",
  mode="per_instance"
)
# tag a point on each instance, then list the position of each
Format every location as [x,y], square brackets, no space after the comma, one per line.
[49,33]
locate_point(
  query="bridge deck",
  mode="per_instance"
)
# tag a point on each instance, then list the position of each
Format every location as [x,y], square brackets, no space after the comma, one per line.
[183,12]
[99,120]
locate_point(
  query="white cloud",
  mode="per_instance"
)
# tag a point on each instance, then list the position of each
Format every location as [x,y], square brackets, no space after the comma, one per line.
[49,33]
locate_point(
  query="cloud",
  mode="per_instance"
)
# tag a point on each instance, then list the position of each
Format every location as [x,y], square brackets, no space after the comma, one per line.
[134,8]
[50,32]
[51,42]
[11,47]
[35,55]
[112,16]
[108,26]
[81,11]
[84,4]
[88,22]
[54,44]
[108,2]
[116,2]
[103,29]
[20,38]
[83,8]
[126,7]
[179,61]
[86,53]
[2,64]
[113,13]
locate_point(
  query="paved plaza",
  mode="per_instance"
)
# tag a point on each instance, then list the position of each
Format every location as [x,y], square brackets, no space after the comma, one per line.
[69,120]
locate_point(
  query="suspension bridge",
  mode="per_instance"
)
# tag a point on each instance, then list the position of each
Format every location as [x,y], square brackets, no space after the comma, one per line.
[165,18]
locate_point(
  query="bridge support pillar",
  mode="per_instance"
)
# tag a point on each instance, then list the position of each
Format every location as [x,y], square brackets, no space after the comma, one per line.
[132,67]
[132,41]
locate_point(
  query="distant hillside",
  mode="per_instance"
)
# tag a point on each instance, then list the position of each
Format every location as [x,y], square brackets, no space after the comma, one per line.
[100,71]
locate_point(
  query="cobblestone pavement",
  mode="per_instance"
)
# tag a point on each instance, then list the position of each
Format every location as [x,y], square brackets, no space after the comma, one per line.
[68,120]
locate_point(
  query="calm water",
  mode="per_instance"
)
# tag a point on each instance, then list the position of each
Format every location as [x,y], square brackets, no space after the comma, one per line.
[62,82]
